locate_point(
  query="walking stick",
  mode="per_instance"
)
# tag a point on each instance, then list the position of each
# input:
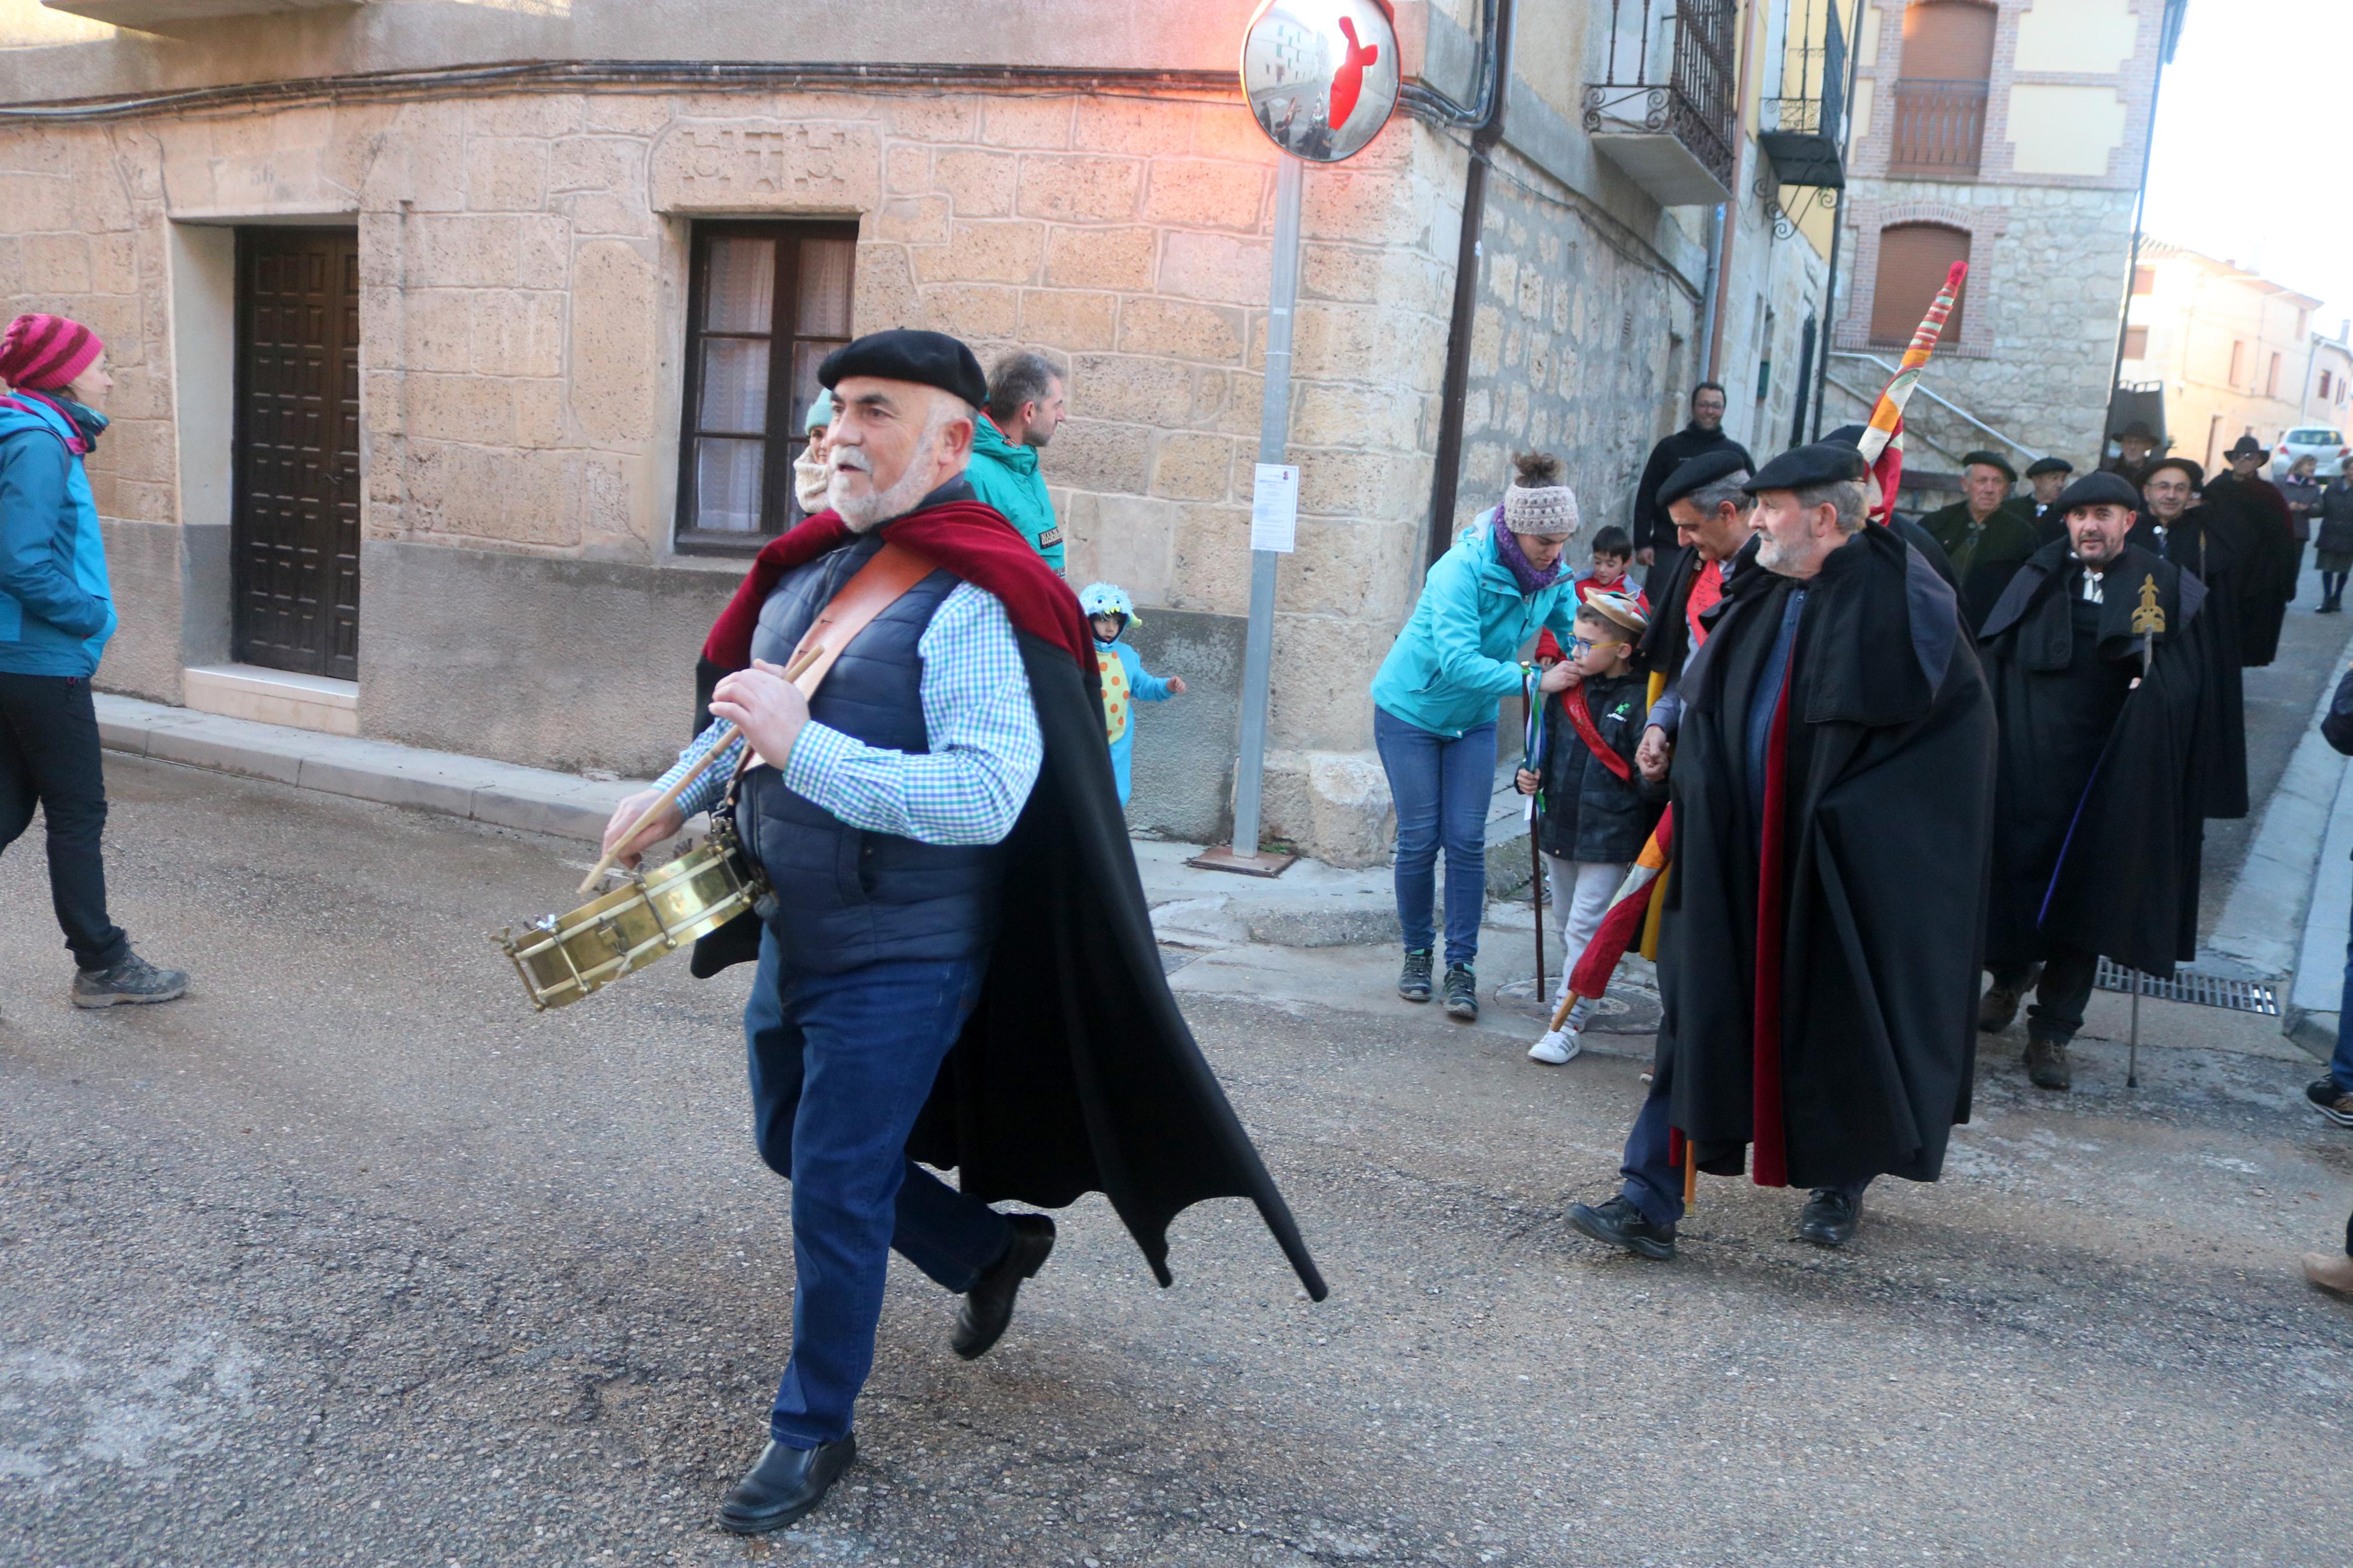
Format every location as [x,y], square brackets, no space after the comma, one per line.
[1530,759]
[2132,1052]
[1691,1174]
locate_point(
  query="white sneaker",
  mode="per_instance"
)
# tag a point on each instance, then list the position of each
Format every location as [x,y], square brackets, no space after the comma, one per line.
[1560,1046]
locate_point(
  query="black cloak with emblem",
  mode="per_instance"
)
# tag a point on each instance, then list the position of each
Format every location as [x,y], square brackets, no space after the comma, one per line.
[1075,1072]
[2098,784]
[1828,1014]
[2268,560]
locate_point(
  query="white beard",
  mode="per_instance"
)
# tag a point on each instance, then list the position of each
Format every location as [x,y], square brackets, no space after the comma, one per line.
[866,513]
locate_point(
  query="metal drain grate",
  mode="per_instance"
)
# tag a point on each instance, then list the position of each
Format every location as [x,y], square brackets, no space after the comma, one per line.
[2191,985]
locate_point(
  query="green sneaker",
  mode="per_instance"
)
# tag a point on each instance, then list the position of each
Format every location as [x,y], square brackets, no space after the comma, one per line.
[1413,982]
[1461,991]
[130,978]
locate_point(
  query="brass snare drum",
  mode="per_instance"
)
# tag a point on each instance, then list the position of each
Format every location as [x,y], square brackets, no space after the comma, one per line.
[561,958]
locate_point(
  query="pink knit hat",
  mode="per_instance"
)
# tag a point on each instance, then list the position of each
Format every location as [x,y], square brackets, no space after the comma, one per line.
[45,353]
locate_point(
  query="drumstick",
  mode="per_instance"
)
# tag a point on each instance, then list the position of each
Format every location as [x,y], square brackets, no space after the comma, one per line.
[727,738]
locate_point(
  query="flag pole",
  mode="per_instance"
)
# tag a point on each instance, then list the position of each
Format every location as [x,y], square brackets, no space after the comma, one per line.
[1529,697]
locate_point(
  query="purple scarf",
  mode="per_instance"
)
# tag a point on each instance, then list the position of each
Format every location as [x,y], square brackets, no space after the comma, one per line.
[1507,549]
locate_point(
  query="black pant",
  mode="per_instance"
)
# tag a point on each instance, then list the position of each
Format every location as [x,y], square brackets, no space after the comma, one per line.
[48,753]
[2059,998]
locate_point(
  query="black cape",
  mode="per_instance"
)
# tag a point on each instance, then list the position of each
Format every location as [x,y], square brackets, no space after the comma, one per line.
[1667,641]
[2101,828]
[1076,1072]
[2211,546]
[1652,528]
[2008,539]
[2269,558]
[1889,796]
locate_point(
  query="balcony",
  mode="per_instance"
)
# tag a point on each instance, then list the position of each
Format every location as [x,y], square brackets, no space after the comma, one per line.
[1664,112]
[153,15]
[1799,125]
[1939,128]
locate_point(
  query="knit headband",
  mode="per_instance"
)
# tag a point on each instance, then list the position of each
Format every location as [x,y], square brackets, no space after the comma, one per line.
[1546,510]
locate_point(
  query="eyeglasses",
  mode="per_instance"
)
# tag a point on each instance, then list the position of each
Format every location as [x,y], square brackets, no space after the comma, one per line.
[1579,646]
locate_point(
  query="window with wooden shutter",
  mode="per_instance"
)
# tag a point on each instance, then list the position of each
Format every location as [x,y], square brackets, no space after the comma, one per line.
[2136,343]
[1940,95]
[765,303]
[1914,258]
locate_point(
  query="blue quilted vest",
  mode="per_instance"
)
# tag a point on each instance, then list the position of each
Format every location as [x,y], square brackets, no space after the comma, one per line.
[846,896]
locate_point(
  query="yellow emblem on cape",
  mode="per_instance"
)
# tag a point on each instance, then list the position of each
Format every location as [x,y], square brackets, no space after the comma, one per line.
[2149,618]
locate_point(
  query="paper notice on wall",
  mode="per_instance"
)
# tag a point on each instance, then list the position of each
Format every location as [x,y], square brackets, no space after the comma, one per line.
[1274,508]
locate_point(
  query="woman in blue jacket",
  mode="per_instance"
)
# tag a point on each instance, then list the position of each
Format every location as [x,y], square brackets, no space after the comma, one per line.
[1434,710]
[57,612]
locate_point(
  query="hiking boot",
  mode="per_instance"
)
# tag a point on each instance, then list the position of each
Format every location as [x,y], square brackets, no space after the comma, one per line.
[1461,991]
[1618,1223]
[1995,1009]
[1413,982]
[2046,1063]
[130,978]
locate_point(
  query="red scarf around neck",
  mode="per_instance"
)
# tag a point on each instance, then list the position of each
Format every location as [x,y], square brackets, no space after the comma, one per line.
[968,538]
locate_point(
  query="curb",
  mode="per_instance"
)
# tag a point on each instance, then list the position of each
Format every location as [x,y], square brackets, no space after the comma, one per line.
[502,795]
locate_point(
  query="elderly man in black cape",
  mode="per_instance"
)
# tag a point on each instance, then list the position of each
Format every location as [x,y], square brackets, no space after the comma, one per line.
[2212,544]
[2273,553]
[1653,529]
[1833,795]
[2095,661]
[1709,510]
[2048,475]
[957,966]
[1984,534]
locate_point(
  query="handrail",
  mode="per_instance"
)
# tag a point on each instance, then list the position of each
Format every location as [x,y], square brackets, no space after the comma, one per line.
[1868,399]
[1945,404]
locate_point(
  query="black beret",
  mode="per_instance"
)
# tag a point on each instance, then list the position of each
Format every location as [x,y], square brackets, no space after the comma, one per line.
[1991,460]
[1823,463]
[2042,466]
[2099,489]
[1698,473]
[2188,465]
[903,353]
[1848,436]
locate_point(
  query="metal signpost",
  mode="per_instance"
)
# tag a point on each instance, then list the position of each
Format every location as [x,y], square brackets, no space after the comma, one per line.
[1322,79]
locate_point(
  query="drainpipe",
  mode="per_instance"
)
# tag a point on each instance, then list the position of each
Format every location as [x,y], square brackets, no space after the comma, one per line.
[1455,386]
[1838,221]
[1749,13]
[1707,335]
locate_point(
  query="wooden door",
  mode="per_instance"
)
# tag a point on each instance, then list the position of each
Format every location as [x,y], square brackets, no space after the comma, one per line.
[295,527]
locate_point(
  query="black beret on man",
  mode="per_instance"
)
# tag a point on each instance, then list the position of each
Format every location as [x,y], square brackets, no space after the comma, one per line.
[904,353]
[1991,460]
[1698,473]
[1801,467]
[2105,488]
[2042,466]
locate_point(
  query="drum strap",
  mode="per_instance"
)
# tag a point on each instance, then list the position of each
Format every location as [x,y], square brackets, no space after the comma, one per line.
[872,589]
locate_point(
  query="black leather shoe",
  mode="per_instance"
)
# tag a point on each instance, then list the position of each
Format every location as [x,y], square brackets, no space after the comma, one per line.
[1620,1224]
[785,1484]
[2046,1064]
[988,1305]
[1829,1217]
[1996,1008]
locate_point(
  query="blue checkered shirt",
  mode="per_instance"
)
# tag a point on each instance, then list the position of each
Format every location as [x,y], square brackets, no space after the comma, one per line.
[986,747]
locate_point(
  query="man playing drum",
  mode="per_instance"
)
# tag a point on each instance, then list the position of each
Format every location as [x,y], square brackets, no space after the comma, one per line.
[945,779]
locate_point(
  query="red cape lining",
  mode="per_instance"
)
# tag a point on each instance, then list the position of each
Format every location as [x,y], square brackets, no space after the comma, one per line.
[966,537]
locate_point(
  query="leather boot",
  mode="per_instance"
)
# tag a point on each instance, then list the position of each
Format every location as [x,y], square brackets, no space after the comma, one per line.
[785,1484]
[2046,1063]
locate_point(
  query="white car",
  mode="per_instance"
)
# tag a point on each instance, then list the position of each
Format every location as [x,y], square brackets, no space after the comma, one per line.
[2325,446]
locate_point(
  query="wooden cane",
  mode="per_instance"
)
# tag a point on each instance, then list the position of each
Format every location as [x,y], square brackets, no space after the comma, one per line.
[727,738]
[1690,1173]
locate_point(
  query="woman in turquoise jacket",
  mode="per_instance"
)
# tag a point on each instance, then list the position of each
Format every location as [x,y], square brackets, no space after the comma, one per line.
[1434,710]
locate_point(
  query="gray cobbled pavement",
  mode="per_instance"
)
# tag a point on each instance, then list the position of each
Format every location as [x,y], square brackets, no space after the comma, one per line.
[349,1257]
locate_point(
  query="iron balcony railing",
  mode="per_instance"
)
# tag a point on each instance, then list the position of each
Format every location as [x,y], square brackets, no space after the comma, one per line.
[1810,93]
[1940,127]
[1670,69]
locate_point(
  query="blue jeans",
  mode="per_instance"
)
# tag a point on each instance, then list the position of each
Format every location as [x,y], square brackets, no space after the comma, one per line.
[1443,788]
[1653,1186]
[2340,1066]
[841,1065]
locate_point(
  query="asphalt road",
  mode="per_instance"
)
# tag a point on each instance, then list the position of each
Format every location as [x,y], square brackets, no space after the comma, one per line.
[347,1257]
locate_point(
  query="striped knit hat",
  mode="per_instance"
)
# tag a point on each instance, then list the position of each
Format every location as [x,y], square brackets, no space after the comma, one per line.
[45,353]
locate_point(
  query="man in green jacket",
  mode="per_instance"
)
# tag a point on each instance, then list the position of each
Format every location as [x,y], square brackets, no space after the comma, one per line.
[1986,535]
[1024,409]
